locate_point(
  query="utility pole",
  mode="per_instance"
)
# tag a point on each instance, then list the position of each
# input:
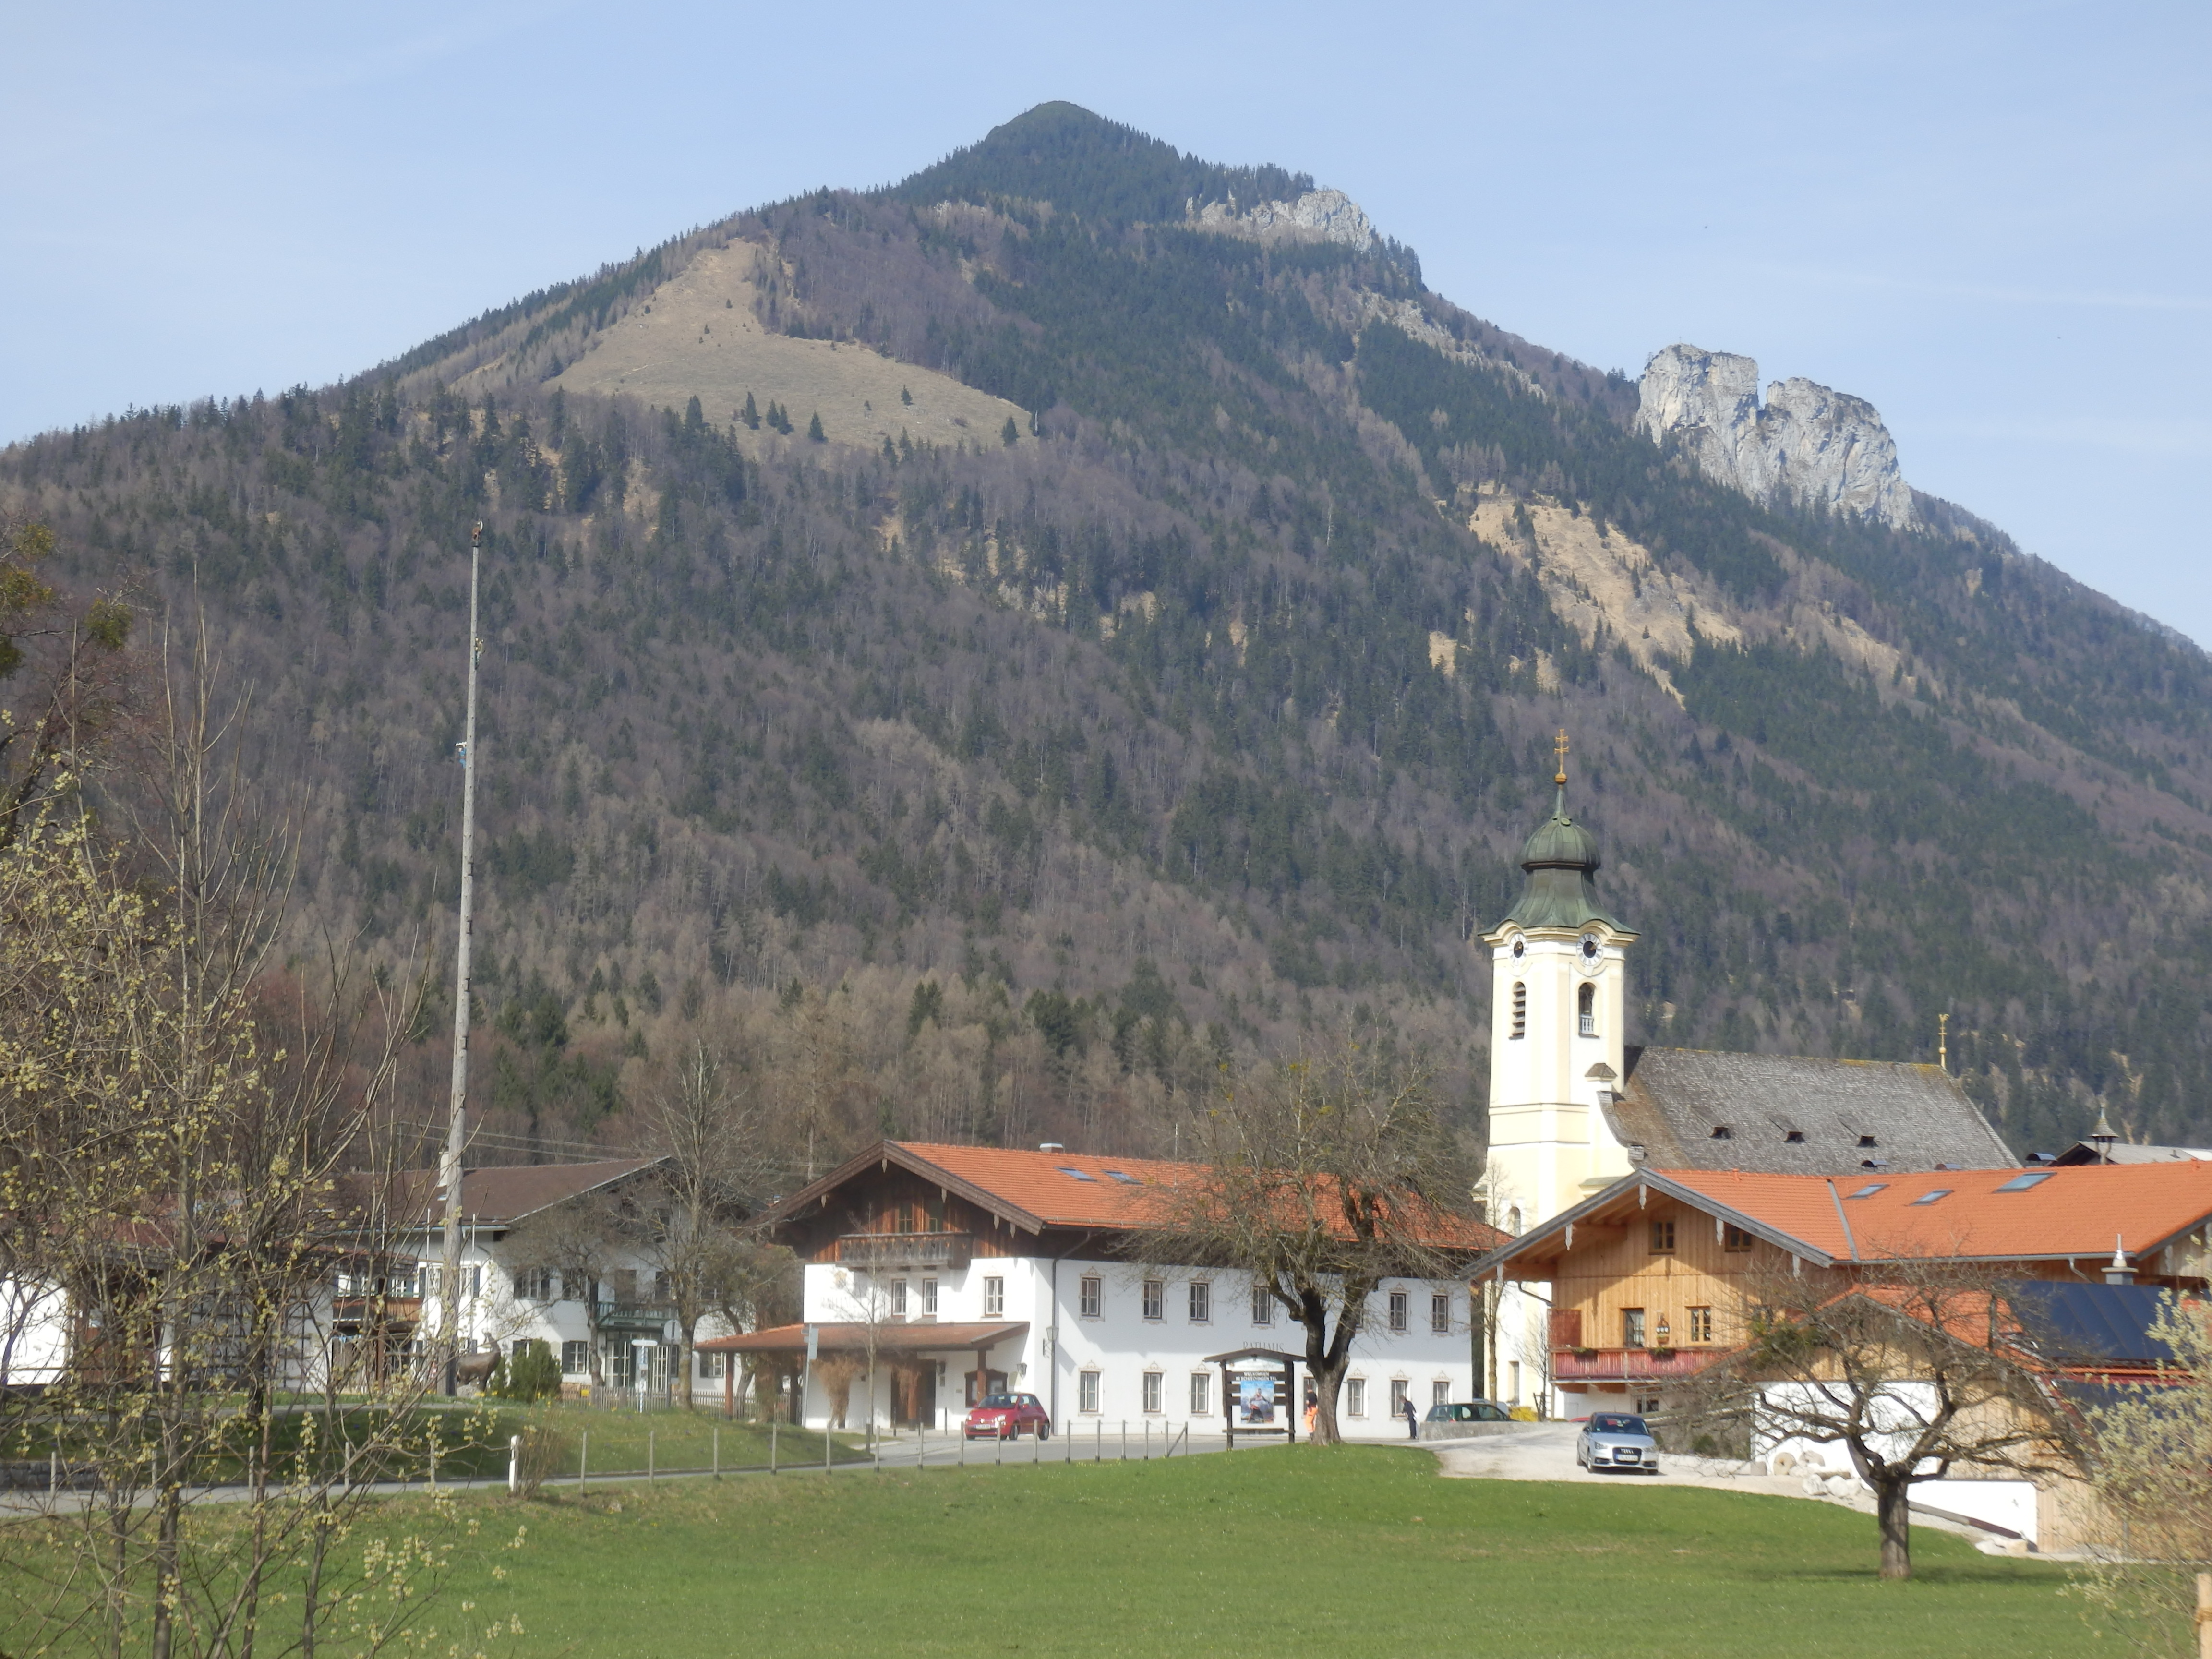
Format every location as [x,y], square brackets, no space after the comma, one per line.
[449,1281]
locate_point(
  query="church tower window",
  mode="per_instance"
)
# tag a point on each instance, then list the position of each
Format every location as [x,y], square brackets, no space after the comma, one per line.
[1520,1009]
[1586,1009]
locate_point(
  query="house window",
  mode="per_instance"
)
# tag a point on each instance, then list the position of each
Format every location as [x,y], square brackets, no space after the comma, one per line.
[1520,1009]
[1091,1296]
[1086,1391]
[1398,1386]
[1355,1396]
[1398,1309]
[1662,1239]
[1155,1299]
[576,1358]
[1632,1328]
[1701,1324]
[1586,1009]
[1440,1393]
[1734,1238]
[1201,1392]
[711,1366]
[534,1285]
[1154,1384]
[898,1298]
[1440,1313]
[1263,1305]
[929,1299]
[1201,1302]
[995,1298]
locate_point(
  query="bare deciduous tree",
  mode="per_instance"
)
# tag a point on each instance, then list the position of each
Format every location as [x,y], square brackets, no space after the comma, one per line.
[1929,1370]
[1321,1177]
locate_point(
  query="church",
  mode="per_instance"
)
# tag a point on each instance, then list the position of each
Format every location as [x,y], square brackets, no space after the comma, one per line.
[1574,1108]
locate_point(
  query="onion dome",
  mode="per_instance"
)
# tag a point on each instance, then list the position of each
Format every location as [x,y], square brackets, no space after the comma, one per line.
[1560,858]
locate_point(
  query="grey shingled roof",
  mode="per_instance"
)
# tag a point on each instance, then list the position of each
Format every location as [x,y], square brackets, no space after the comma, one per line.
[1673,1099]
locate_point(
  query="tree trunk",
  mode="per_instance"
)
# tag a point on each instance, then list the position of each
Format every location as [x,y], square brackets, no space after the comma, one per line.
[1892,1497]
[684,1332]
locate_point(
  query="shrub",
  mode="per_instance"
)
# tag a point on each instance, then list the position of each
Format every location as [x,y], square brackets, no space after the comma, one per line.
[531,1373]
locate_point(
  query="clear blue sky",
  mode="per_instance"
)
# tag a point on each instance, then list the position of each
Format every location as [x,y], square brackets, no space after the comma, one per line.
[1988,220]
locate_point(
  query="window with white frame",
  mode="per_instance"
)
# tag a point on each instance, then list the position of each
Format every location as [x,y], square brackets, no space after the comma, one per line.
[1201,1392]
[1091,1296]
[1155,1385]
[535,1285]
[1086,1391]
[1263,1305]
[576,1358]
[1440,1393]
[898,1298]
[1440,1313]
[1201,1302]
[1399,1310]
[711,1366]
[995,1298]
[1397,1396]
[1155,1299]
[929,1299]
[1355,1396]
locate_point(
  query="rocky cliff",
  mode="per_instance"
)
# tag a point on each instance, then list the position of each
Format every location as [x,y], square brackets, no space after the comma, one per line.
[1808,442]
[1320,215]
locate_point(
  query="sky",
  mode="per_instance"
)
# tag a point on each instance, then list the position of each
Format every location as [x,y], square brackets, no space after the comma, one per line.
[1989,221]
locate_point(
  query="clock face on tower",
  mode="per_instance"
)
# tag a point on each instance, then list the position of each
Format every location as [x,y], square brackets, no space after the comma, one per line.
[1592,961]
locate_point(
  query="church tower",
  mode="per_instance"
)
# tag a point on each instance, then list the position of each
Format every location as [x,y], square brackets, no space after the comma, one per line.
[1558,1014]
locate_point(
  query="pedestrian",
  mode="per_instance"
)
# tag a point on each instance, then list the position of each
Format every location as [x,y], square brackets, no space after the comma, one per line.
[1313,1412]
[1412,1420]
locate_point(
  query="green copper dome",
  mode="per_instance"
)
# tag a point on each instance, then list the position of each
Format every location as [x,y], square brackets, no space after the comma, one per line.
[1560,858]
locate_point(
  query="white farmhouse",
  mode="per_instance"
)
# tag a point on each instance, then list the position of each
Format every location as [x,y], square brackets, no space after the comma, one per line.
[935,1274]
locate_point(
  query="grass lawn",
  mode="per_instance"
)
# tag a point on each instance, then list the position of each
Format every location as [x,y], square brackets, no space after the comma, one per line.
[1292,1548]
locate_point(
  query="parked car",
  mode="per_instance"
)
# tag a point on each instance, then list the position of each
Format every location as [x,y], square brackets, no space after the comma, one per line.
[1469,1411]
[1006,1416]
[1616,1440]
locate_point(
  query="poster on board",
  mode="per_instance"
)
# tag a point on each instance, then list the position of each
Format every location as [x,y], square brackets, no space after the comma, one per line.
[1255,1400]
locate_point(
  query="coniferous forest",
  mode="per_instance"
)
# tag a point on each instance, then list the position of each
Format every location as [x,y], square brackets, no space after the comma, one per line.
[1003,788]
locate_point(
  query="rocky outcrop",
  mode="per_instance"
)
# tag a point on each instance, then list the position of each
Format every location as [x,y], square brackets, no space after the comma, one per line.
[1318,215]
[1808,443]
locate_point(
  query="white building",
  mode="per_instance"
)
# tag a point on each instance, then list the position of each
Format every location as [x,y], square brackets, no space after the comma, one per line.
[966,1270]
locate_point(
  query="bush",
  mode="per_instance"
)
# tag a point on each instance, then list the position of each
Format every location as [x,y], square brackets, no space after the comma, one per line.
[532,1373]
[544,1453]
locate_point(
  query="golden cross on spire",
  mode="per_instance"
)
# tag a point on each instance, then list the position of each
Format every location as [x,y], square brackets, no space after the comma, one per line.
[1560,747]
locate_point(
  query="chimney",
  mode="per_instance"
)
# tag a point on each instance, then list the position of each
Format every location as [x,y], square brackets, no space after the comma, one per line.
[2116,1271]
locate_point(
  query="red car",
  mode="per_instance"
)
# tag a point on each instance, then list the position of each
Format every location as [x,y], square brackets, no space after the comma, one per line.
[1006,1416]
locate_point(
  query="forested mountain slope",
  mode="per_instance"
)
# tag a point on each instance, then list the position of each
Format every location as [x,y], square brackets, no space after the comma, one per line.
[997,780]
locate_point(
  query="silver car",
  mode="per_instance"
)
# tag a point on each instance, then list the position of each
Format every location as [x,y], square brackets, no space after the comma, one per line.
[1616,1440]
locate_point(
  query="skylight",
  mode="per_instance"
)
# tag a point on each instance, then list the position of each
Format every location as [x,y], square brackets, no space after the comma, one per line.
[2020,1184]
[1869,1190]
[1073,1175]
[1931,1196]
[1123,1176]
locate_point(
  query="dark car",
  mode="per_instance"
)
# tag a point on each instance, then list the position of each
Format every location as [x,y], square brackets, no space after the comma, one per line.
[1005,1416]
[1469,1411]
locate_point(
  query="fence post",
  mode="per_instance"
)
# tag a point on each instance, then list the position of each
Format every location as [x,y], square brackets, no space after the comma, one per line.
[648,1456]
[825,1445]
[718,1451]
[772,1425]
[1099,1440]
[53,1474]
[583,1459]
[434,1466]
[1125,1440]
[513,1464]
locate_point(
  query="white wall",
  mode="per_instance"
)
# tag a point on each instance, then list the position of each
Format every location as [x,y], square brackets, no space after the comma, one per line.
[1121,1345]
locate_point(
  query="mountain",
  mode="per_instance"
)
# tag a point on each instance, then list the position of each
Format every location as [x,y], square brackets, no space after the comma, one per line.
[997,646]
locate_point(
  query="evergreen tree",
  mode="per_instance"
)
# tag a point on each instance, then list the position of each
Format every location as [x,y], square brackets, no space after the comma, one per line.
[1010,435]
[814,429]
[905,397]
[750,413]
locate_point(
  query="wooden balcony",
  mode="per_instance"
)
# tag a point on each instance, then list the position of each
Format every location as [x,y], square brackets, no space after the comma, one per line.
[875,1251]
[1628,1365]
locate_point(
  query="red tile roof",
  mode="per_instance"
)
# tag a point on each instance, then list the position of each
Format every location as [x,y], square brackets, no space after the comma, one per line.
[1036,1190]
[2078,1212]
